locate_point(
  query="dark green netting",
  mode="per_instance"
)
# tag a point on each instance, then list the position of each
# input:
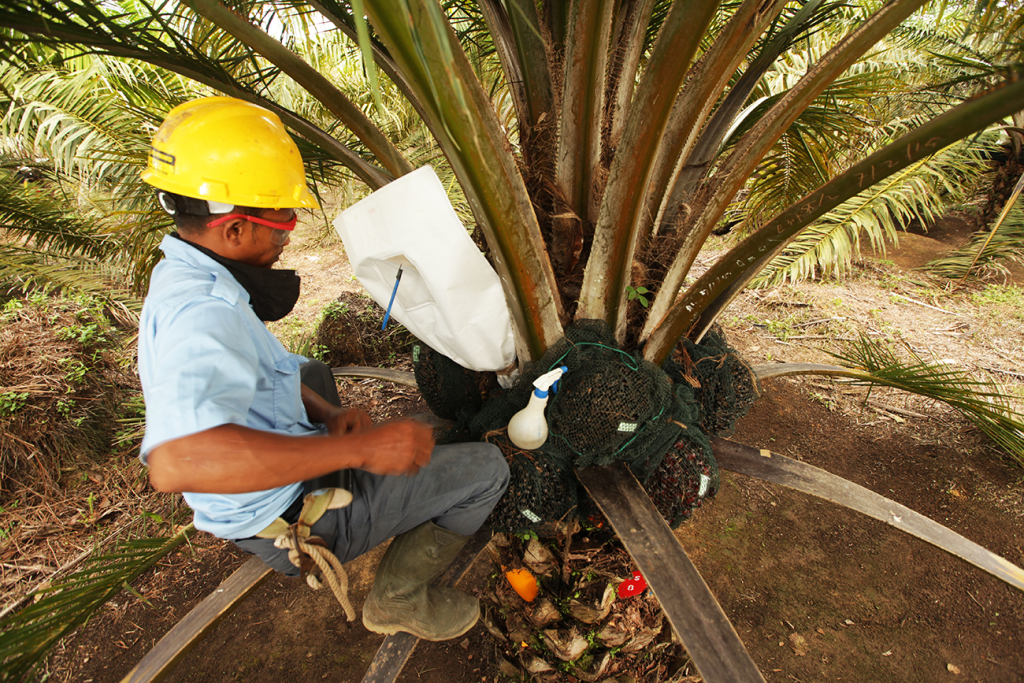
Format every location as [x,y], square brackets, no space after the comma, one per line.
[609,406]
[687,475]
[449,390]
[539,495]
[724,385]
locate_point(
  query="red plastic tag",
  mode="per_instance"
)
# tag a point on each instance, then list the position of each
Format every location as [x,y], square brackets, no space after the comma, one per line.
[631,587]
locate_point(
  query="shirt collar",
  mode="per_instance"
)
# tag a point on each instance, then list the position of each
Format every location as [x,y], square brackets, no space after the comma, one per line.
[182,250]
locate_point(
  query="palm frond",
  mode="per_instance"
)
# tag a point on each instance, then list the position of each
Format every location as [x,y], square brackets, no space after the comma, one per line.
[875,363]
[39,213]
[78,120]
[51,245]
[704,300]
[23,269]
[92,117]
[919,192]
[170,36]
[1004,20]
[1006,243]
[88,120]
[25,636]
[917,72]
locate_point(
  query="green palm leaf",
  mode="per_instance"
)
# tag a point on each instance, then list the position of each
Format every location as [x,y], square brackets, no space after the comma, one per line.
[39,215]
[26,635]
[1006,243]
[49,245]
[23,269]
[874,363]
[919,192]
[170,36]
[704,300]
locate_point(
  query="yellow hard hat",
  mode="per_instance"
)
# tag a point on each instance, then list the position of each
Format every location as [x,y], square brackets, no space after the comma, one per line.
[228,151]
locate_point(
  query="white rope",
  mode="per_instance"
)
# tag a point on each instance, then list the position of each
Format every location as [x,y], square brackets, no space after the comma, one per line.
[330,566]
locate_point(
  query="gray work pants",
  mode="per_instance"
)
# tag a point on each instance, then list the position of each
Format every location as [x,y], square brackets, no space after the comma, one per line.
[456,491]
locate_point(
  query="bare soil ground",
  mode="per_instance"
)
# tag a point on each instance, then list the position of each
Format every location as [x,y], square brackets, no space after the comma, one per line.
[816,592]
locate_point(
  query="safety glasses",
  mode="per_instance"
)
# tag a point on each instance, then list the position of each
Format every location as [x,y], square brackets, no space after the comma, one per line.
[281,231]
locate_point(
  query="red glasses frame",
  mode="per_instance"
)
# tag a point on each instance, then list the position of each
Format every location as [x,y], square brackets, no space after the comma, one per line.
[276,225]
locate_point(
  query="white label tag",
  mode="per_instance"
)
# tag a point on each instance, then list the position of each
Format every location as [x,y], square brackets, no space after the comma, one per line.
[705,481]
[530,516]
[627,426]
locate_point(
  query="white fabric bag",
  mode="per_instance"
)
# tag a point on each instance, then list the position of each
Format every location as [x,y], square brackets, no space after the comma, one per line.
[449,296]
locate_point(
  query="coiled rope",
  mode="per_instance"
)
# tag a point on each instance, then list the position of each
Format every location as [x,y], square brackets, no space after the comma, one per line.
[329,565]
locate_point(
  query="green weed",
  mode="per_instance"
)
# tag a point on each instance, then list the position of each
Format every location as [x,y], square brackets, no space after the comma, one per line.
[83,334]
[305,344]
[65,406]
[335,309]
[74,372]
[999,294]
[10,309]
[824,400]
[780,329]
[11,402]
[999,301]
[638,294]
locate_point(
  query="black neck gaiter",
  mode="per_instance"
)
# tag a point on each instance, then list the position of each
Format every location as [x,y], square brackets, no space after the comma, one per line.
[272,293]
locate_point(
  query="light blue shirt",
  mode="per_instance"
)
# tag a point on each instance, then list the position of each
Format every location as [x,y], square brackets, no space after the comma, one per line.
[206,360]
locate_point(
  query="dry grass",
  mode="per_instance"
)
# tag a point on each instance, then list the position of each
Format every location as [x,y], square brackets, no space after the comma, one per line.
[67,488]
[61,387]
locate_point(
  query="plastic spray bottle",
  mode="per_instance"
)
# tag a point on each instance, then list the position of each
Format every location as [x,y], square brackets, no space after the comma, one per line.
[528,428]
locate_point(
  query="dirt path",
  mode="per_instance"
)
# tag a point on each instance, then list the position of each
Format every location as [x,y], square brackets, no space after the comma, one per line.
[816,592]
[819,593]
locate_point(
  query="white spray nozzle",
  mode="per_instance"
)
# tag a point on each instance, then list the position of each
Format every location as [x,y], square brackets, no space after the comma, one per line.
[543,383]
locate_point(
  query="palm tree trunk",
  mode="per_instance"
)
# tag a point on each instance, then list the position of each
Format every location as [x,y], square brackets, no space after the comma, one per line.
[607,273]
[421,42]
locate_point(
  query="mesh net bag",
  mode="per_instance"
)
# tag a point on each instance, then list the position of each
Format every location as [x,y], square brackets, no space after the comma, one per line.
[687,475]
[542,491]
[725,385]
[449,390]
[610,406]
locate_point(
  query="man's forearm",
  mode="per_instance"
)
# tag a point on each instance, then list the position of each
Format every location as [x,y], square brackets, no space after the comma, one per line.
[317,409]
[237,459]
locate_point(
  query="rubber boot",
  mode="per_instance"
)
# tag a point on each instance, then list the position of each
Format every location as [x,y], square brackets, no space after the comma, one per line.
[402,599]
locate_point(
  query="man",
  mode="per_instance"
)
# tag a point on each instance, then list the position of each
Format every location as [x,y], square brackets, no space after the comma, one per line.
[228,421]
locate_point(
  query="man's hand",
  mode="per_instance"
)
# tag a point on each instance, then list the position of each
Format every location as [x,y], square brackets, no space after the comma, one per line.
[350,421]
[401,447]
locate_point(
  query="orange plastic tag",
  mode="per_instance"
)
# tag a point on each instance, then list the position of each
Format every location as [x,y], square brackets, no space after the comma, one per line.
[524,583]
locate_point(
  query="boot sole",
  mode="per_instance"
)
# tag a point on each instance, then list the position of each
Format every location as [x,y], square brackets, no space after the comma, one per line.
[390,630]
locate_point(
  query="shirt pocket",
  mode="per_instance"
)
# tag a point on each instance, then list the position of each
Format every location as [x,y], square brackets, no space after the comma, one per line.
[288,411]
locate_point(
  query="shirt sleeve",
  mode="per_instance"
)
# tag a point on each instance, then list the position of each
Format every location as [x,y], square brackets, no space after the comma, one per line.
[201,370]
